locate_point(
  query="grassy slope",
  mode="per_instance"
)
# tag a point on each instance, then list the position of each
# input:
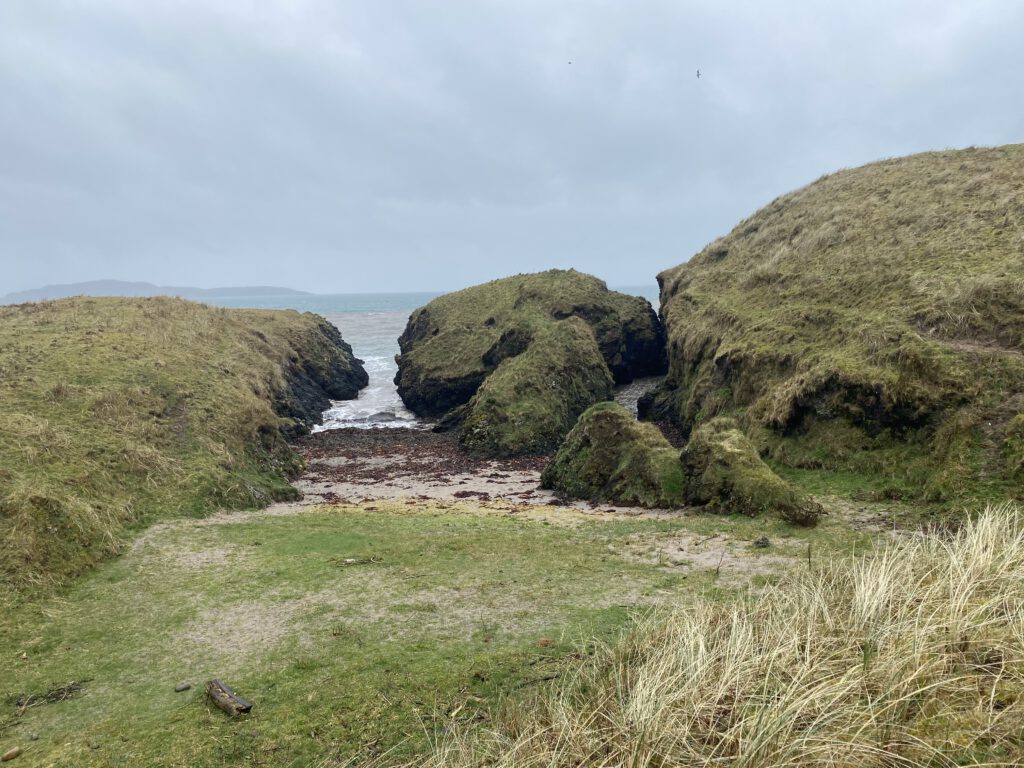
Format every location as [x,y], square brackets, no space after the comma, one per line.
[871,322]
[116,411]
[463,612]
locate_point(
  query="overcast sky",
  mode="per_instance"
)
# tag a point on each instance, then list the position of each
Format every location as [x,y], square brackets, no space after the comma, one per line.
[381,145]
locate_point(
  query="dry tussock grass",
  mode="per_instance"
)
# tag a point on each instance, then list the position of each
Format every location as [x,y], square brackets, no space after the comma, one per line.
[910,656]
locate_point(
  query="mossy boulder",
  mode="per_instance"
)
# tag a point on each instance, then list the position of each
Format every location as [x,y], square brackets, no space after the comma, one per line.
[529,403]
[725,472]
[870,323]
[611,457]
[451,345]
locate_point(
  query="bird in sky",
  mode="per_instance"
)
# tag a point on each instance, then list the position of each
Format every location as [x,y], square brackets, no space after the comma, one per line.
[698,74]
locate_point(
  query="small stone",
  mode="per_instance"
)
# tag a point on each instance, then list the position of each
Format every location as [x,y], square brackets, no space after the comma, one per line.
[762,543]
[182,687]
[10,754]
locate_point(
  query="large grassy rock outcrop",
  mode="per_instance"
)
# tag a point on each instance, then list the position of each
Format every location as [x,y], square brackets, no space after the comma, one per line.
[725,473]
[451,345]
[532,400]
[118,411]
[611,457]
[872,322]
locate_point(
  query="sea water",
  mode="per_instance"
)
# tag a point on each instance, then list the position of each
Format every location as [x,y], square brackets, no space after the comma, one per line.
[371,323]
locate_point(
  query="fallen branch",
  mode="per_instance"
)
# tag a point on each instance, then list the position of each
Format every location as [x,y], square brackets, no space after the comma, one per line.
[60,693]
[347,562]
[226,699]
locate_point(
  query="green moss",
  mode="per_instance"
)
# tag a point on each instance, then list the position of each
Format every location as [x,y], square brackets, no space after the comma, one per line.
[885,300]
[611,457]
[116,411]
[453,343]
[533,399]
[725,472]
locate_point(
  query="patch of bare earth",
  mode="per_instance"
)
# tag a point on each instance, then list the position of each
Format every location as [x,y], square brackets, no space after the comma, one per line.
[736,562]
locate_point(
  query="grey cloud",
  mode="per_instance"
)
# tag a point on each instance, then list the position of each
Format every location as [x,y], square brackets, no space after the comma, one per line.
[345,146]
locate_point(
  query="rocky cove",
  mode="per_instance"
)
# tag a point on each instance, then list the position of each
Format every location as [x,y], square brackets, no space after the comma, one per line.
[826,441]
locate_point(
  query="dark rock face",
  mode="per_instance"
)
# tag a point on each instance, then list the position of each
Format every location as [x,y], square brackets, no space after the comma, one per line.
[612,458]
[326,370]
[452,345]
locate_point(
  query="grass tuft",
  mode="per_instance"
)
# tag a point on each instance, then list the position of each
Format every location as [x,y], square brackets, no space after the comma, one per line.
[912,655]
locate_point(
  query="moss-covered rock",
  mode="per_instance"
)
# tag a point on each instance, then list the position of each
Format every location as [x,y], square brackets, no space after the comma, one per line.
[611,457]
[533,399]
[724,472]
[883,305]
[451,345]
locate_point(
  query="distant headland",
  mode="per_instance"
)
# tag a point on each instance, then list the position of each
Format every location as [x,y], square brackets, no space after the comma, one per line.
[124,288]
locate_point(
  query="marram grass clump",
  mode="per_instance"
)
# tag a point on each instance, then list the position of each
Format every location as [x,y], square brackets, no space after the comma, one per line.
[910,655]
[869,323]
[611,457]
[114,412]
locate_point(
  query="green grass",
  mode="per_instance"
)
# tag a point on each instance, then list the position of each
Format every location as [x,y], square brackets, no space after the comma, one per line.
[725,472]
[457,614]
[872,322]
[115,412]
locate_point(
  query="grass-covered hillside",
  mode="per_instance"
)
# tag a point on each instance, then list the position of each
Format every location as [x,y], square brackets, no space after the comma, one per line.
[871,323]
[116,411]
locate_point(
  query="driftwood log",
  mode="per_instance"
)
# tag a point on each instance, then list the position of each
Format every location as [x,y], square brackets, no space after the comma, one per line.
[226,699]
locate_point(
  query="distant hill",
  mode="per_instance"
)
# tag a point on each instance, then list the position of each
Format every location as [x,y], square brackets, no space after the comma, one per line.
[123,288]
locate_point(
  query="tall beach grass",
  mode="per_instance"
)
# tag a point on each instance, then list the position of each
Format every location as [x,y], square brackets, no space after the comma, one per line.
[909,655]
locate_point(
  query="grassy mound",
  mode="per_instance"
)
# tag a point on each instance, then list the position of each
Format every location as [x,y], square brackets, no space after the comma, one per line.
[116,411]
[872,322]
[453,343]
[911,656]
[725,473]
[611,457]
[532,400]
